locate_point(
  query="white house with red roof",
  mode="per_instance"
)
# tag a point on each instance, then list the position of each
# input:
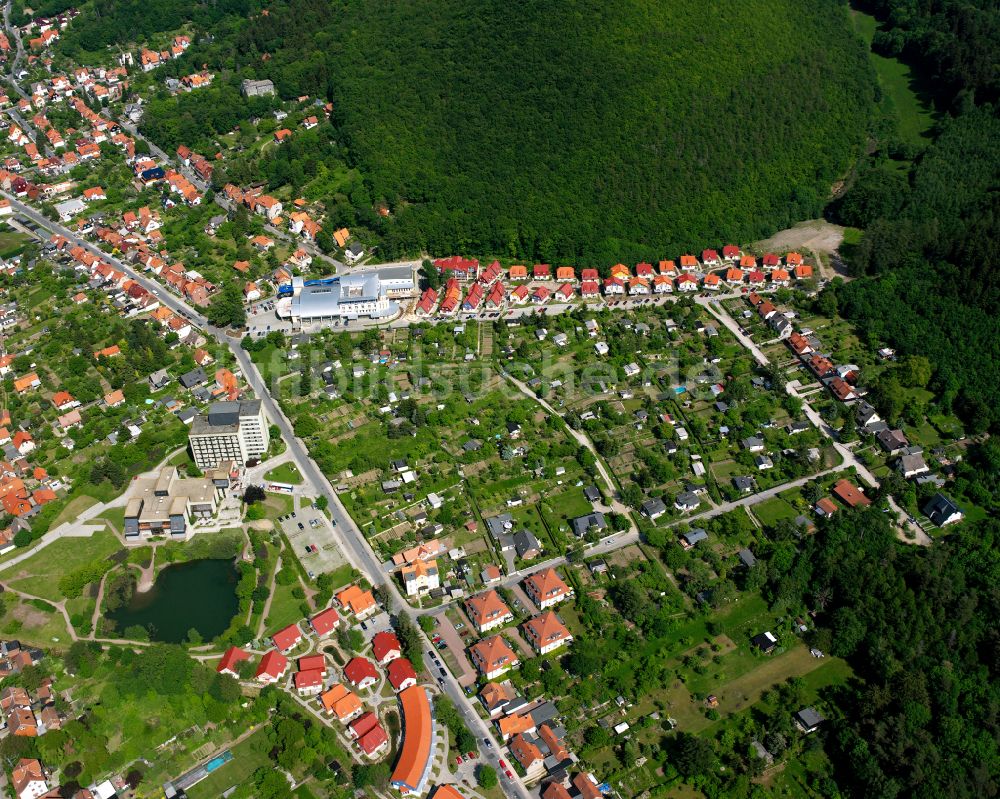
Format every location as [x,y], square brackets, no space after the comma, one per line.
[401,674]
[285,639]
[547,589]
[325,622]
[360,672]
[309,682]
[386,647]
[272,667]
[230,660]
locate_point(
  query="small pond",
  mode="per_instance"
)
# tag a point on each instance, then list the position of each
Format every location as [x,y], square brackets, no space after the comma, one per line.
[199,594]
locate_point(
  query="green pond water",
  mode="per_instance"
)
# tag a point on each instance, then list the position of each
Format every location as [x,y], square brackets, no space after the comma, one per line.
[199,594]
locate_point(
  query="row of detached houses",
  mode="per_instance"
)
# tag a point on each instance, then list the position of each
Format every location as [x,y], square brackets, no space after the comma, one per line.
[469,288]
[841,380]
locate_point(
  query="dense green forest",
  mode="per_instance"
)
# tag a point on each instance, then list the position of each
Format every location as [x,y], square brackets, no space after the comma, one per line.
[932,232]
[583,130]
[597,130]
[920,626]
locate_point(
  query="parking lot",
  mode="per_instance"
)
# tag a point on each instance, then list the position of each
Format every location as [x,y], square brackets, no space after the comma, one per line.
[307,527]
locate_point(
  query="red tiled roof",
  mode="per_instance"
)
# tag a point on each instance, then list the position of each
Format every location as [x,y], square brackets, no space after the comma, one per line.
[359,669]
[325,621]
[273,664]
[307,678]
[850,494]
[310,662]
[232,657]
[384,644]
[286,638]
[399,671]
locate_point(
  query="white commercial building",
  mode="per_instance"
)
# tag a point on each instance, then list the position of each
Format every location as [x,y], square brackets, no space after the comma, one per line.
[236,431]
[354,296]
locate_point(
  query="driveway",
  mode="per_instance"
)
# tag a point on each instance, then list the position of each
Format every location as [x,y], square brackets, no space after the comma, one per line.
[456,645]
[523,598]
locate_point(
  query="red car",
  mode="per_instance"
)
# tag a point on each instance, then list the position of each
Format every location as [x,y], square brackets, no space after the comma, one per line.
[510,774]
[458,759]
[502,764]
[470,755]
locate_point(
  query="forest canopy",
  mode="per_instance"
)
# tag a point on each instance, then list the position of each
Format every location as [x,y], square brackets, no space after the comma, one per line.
[597,130]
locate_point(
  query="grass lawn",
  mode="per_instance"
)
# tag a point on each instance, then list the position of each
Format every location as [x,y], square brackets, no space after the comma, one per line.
[11,242]
[913,112]
[73,509]
[284,608]
[285,473]
[774,510]
[276,505]
[34,624]
[39,575]
[116,516]
[248,756]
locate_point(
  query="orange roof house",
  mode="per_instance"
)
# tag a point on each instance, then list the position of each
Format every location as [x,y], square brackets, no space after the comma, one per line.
[340,702]
[488,611]
[850,494]
[63,399]
[493,656]
[227,382]
[360,603]
[27,382]
[414,764]
[513,724]
[546,588]
[546,632]
[527,754]
[689,262]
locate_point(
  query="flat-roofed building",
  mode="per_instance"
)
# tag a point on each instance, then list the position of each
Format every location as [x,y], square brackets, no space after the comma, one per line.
[354,296]
[166,504]
[230,431]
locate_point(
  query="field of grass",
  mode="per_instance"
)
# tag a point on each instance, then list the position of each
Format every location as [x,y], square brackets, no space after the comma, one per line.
[35,623]
[773,511]
[284,607]
[116,516]
[11,242]
[902,95]
[73,509]
[276,505]
[285,473]
[39,575]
